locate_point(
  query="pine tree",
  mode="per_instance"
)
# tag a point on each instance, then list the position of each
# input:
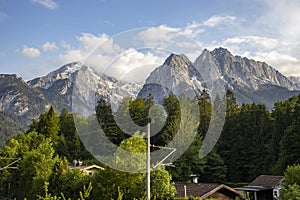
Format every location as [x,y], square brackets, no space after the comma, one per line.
[48,125]
[290,142]
[205,108]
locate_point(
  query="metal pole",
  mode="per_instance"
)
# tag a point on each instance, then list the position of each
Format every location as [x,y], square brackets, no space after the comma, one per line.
[148,170]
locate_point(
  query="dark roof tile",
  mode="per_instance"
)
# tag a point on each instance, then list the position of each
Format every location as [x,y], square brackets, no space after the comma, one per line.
[194,189]
[266,181]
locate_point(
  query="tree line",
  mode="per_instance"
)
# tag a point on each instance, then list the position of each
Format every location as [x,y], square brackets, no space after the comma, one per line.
[254,141]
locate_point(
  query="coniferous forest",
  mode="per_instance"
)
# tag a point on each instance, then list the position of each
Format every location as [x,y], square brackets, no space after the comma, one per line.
[254,141]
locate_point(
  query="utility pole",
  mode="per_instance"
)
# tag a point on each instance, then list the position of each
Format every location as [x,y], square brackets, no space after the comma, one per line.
[148,169]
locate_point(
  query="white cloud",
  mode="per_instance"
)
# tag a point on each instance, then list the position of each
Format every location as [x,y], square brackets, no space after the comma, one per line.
[30,52]
[216,20]
[50,4]
[170,39]
[193,30]
[275,58]
[63,44]
[255,41]
[114,57]
[102,43]
[134,65]
[282,18]
[72,55]
[158,36]
[49,46]
[96,51]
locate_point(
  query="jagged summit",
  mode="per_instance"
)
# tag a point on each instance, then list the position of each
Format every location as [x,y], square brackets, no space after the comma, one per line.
[69,68]
[175,60]
[241,71]
[177,75]
[221,52]
[251,81]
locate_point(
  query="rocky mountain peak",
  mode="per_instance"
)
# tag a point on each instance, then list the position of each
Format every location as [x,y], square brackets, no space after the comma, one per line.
[177,75]
[68,68]
[221,52]
[177,61]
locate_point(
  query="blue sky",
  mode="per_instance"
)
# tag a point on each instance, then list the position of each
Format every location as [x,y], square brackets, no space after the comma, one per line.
[38,36]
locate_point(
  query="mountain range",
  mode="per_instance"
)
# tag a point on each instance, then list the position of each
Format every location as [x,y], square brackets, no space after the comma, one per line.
[250,80]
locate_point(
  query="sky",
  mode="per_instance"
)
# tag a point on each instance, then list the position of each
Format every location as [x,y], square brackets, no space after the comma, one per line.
[39,36]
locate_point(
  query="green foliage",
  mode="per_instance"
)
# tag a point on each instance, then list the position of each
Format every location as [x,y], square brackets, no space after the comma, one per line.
[83,195]
[254,141]
[290,192]
[172,124]
[292,175]
[291,188]
[282,118]
[189,163]
[107,122]
[290,141]
[47,195]
[113,184]
[71,182]
[214,170]
[8,129]
[245,140]
[35,167]
[205,108]
[161,184]
[48,124]
[70,145]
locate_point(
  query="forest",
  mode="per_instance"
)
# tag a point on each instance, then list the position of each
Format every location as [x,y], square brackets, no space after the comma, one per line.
[254,141]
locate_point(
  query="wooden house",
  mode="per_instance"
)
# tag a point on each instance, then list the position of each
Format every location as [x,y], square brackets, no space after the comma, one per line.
[206,191]
[264,187]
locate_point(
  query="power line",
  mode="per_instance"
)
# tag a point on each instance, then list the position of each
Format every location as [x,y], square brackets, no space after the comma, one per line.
[9,166]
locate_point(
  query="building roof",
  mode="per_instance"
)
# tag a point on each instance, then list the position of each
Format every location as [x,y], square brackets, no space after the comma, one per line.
[253,188]
[267,181]
[202,190]
[88,167]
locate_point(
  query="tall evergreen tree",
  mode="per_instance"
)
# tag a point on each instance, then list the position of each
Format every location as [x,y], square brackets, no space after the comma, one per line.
[48,124]
[71,146]
[107,122]
[205,108]
[290,142]
[282,118]
[172,123]
[228,143]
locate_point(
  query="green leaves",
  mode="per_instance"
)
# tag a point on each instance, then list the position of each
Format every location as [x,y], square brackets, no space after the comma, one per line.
[291,188]
[35,167]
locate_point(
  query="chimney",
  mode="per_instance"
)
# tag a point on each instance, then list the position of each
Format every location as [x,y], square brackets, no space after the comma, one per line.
[74,163]
[195,178]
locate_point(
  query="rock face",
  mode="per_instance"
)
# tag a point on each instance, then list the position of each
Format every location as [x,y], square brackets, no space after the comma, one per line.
[240,71]
[19,100]
[295,80]
[177,75]
[250,80]
[74,85]
[58,87]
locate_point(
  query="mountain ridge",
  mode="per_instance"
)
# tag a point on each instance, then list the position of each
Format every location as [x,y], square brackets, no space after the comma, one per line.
[250,80]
